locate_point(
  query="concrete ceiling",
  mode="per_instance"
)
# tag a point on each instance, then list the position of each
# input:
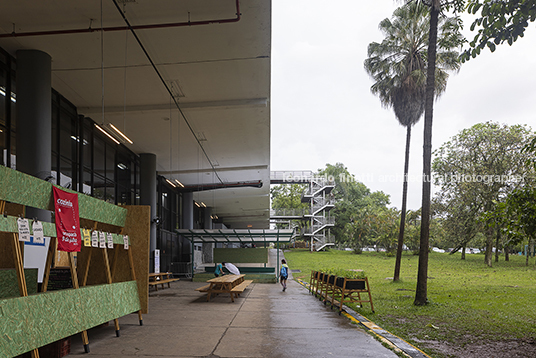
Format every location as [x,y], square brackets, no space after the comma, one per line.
[219,73]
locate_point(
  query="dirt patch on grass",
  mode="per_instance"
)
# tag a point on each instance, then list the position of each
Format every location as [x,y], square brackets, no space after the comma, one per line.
[519,348]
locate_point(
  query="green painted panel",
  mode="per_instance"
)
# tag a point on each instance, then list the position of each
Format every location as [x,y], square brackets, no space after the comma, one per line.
[249,255]
[34,321]
[9,224]
[24,189]
[9,286]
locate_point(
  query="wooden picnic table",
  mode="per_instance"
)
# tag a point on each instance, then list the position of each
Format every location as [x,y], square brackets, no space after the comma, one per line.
[161,278]
[232,284]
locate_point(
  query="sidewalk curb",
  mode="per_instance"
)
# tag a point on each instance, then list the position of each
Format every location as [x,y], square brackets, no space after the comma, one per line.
[396,343]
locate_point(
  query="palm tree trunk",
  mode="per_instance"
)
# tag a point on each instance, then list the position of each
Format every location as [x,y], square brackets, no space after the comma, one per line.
[421,296]
[398,262]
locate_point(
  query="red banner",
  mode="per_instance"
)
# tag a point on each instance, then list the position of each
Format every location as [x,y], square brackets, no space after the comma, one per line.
[67,220]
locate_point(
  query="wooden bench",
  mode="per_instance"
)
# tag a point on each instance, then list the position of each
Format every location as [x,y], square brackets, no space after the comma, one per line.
[203,288]
[161,278]
[238,289]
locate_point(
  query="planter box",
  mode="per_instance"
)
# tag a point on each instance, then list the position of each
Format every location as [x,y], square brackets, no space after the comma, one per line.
[355,284]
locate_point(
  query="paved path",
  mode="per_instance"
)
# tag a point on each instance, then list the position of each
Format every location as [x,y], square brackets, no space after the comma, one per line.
[262,322]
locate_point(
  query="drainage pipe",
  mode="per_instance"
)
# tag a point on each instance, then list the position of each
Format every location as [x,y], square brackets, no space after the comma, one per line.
[125,28]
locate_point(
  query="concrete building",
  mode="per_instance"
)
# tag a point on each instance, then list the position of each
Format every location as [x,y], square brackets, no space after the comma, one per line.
[162,103]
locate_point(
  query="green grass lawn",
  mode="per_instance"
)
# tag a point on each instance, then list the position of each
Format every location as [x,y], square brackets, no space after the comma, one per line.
[469,302]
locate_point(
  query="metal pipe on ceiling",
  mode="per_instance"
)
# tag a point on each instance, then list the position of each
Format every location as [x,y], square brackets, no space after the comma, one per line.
[214,186]
[126,28]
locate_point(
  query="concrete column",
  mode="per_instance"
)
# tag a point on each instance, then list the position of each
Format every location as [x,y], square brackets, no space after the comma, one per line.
[208,248]
[148,192]
[34,118]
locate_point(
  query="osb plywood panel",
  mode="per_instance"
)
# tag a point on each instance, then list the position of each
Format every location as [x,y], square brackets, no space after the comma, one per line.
[6,250]
[20,188]
[97,268]
[122,267]
[31,322]
[250,255]
[138,228]
[14,209]
[9,286]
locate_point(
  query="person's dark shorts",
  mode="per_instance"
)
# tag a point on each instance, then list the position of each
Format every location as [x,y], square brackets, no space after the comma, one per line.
[283,277]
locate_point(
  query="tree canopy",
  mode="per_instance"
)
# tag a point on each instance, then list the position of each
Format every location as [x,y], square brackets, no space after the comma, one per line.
[498,22]
[478,167]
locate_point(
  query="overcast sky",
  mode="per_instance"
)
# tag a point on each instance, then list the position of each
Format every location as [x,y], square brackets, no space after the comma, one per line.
[322,110]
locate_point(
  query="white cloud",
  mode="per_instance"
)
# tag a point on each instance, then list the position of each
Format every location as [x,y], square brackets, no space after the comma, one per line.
[323,111]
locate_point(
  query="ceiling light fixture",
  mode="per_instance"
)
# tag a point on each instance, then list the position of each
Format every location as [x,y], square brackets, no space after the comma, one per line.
[107,134]
[123,138]
[179,183]
[171,183]
[197,204]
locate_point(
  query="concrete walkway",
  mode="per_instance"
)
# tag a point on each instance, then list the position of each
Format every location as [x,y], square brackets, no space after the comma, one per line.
[262,322]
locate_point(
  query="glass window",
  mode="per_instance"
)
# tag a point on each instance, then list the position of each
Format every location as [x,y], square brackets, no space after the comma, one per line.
[55,169]
[110,192]
[87,147]
[99,187]
[55,121]
[123,195]
[98,156]
[67,139]
[66,173]
[3,130]
[87,182]
[110,162]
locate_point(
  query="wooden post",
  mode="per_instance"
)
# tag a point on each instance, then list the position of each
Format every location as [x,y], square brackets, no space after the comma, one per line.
[114,264]
[48,264]
[86,269]
[133,276]
[109,280]
[74,278]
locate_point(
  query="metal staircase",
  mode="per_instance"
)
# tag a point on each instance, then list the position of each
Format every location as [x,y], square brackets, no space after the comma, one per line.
[318,195]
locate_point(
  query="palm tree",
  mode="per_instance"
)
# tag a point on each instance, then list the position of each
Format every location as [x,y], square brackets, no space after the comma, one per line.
[399,66]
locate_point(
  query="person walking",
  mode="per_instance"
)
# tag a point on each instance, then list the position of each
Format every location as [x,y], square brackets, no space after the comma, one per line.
[219,270]
[283,274]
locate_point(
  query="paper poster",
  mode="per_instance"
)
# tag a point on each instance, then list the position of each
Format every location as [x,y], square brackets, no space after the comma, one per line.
[24,229]
[36,243]
[157,261]
[38,234]
[110,240]
[102,240]
[125,242]
[94,238]
[86,234]
[67,220]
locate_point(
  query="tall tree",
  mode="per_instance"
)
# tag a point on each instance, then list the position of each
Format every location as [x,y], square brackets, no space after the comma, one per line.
[480,166]
[398,65]
[436,6]
[286,201]
[349,197]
